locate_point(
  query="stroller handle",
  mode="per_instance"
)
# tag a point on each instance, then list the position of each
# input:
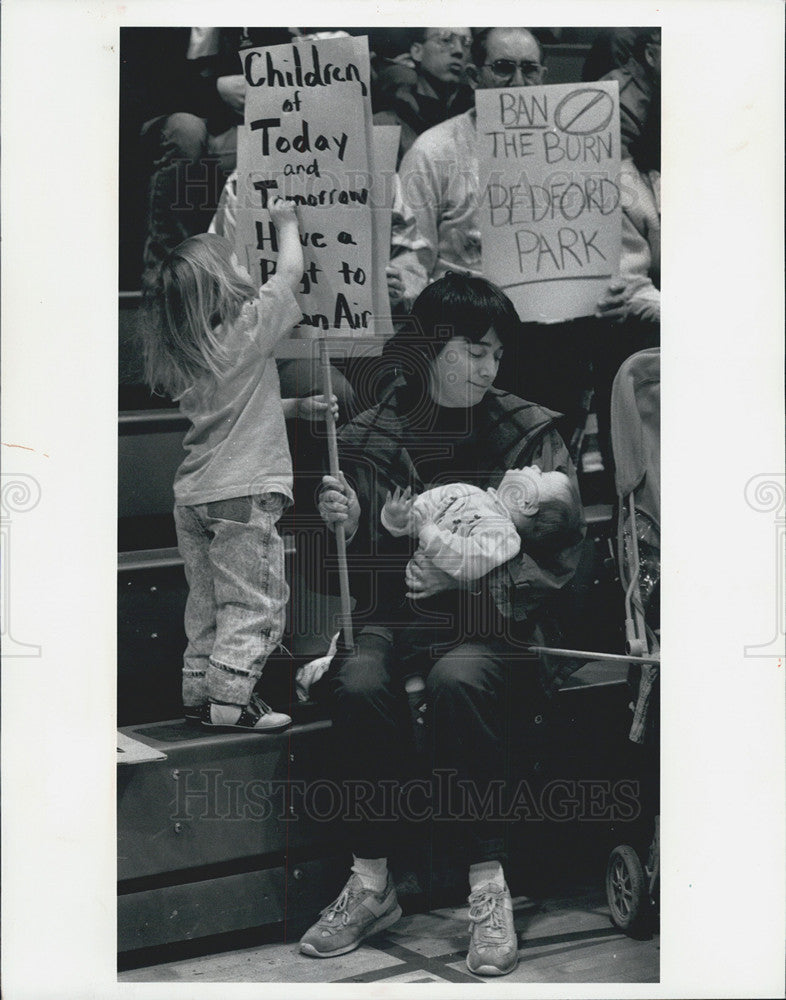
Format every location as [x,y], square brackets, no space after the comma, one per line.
[593,655]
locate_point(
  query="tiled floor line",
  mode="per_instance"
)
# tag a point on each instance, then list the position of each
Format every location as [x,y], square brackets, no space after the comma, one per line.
[574,936]
[439,965]
[435,965]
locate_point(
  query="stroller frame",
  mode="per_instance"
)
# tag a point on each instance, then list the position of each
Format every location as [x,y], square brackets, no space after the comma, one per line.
[631,884]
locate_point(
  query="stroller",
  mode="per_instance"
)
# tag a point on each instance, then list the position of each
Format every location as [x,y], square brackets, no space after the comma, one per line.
[632,884]
[633,872]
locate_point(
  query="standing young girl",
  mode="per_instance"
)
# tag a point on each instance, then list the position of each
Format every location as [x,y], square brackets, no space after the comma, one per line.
[209,344]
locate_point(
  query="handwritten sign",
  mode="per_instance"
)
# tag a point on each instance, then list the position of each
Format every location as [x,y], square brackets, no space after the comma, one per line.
[307,136]
[550,214]
[336,288]
[305,118]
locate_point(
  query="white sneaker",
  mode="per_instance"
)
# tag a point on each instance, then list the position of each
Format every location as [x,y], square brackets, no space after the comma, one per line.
[256,717]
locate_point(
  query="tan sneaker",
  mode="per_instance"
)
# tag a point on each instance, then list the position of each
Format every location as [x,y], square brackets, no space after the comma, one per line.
[493,944]
[355,915]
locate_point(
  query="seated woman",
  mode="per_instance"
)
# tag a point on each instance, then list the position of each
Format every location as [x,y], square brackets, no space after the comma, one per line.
[442,421]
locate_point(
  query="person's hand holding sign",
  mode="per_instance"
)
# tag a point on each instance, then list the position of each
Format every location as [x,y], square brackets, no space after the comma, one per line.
[338,504]
[614,304]
[316,407]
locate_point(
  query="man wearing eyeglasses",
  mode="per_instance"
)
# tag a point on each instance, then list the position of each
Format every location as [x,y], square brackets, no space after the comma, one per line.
[439,174]
[436,89]
[440,185]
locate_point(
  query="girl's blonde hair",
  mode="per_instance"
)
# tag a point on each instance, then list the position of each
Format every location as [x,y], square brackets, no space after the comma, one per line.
[197,289]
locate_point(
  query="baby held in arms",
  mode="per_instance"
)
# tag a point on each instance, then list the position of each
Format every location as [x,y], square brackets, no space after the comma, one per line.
[467,532]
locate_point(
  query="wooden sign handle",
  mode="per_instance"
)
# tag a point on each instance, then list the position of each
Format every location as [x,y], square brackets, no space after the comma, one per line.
[341,541]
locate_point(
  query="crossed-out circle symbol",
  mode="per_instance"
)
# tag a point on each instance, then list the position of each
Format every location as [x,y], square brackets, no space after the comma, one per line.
[584,111]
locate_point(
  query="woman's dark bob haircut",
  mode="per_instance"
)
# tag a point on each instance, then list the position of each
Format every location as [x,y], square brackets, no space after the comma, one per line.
[456,305]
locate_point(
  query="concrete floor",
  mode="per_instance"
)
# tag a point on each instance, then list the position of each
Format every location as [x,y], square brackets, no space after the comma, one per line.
[562,940]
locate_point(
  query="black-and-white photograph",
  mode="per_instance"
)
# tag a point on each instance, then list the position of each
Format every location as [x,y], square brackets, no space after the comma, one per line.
[343,529]
[388,687]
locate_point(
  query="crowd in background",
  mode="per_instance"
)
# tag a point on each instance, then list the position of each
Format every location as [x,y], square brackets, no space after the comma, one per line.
[182,98]
[419,78]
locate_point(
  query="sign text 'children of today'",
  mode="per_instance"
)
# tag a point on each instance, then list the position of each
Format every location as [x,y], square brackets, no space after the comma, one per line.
[307,136]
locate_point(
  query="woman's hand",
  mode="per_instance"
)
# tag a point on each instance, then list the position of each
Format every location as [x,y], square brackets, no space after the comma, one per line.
[316,408]
[424,579]
[338,504]
[614,304]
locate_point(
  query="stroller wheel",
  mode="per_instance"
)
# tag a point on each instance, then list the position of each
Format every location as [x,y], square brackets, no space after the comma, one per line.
[626,888]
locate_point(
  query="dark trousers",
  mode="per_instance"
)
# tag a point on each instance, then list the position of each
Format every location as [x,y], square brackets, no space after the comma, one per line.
[468,717]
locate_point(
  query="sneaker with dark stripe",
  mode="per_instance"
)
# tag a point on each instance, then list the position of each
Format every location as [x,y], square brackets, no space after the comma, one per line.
[354,916]
[256,717]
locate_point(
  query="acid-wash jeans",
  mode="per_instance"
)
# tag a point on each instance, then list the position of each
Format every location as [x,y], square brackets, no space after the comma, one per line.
[237,595]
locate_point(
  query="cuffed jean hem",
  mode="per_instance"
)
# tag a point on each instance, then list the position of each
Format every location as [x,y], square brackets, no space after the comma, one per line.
[228,686]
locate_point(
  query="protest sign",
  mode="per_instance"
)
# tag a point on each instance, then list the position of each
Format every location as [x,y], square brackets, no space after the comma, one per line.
[307,136]
[550,214]
[336,288]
